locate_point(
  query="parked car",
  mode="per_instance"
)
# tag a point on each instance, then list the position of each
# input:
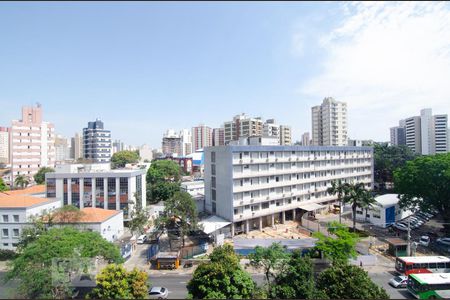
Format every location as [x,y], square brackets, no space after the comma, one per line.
[424,240]
[399,281]
[157,292]
[423,218]
[444,241]
[141,239]
[417,220]
[401,226]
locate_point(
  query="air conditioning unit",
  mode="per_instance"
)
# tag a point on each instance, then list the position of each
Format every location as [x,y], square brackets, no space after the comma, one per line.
[276,159]
[251,160]
[289,159]
[284,195]
[252,200]
[267,198]
[267,160]
[242,202]
[240,216]
[298,158]
[292,194]
[240,161]
[253,213]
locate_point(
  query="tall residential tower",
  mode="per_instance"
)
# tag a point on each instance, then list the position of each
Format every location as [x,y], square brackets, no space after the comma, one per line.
[329,123]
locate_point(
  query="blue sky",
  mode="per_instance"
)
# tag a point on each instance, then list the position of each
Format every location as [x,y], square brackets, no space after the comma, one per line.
[145,67]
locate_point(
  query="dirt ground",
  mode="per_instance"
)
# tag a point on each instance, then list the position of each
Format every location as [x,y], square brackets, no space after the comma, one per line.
[288,230]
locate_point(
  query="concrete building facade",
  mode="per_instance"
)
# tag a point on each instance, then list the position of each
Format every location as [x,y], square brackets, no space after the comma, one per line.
[329,123]
[202,136]
[97,142]
[4,145]
[32,143]
[96,185]
[76,151]
[171,143]
[186,142]
[257,186]
[306,140]
[218,137]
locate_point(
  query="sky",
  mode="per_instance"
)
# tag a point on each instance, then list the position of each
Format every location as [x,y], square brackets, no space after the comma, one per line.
[145,67]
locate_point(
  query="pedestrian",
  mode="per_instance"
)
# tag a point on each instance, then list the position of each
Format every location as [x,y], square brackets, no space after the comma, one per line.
[360,263]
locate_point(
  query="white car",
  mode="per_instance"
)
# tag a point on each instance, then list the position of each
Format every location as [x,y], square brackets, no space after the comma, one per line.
[399,281]
[417,220]
[444,241]
[424,240]
[158,292]
[401,226]
[142,239]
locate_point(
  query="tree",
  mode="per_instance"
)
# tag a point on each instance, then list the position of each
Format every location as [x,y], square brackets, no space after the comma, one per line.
[115,282]
[180,212]
[121,158]
[64,214]
[21,181]
[424,184]
[339,248]
[139,218]
[33,266]
[389,158]
[271,260]
[339,188]
[163,180]
[354,197]
[343,281]
[367,201]
[222,278]
[3,186]
[297,280]
[40,175]
[162,190]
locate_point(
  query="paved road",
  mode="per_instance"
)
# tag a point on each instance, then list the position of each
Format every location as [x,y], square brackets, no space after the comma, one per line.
[382,280]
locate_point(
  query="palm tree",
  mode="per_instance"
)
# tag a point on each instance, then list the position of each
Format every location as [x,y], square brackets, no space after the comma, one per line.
[367,201]
[21,181]
[339,188]
[354,196]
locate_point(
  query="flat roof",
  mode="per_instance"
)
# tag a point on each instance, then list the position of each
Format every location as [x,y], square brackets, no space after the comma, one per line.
[213,223]
[424,259]
[387,199]
[243,243]
[311,206]
[23,201]
[396,241]
[432,278]
[235,148]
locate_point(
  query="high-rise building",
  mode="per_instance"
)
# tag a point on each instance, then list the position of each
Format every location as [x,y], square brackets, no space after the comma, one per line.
[201,137]
[77,147]
[145,153]
[117,146]
[255,186]
[32,143]
[186,142]
[4,145]
[62,149]
[242,126]
[425,134]
[218,136]
[285,135]
[97,142]
[171,143]
[306,139]
[329,123]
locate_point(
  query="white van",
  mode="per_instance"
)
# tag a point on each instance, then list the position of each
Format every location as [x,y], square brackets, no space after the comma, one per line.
[141,239]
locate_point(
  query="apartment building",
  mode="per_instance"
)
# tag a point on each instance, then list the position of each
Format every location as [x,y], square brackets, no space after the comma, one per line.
[201,137]
[171,143]
[4,145]
[97,142]
[76,148]
[218,137]
[96,185]
[241,126]
[62,149]
[306,140]
[32,143]
[186,142]
[329,123]
[255,186]
[285,135]
[425,134]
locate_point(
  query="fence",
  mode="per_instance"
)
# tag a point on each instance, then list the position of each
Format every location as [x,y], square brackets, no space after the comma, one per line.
[314,226]
[191,251]
[152,251]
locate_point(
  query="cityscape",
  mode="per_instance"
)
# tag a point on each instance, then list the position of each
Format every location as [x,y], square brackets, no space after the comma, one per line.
[197,169]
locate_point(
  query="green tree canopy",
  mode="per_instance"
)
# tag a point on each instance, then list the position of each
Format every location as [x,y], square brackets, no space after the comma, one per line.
[163,170]
[21,181]
[115,282]
[161,191]
[355,195]
[339,248]
[389,158]
[297,280]
[222,278]
[40,175]
[424,183]
[33,267]
[3,186]
[343,281]
[121,158]
[271,260]
[340,189]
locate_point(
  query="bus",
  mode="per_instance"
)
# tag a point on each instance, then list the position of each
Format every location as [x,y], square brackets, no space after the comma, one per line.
[422,264]
[429,286]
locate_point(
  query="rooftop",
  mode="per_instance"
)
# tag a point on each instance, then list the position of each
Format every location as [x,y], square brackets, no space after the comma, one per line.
[22,201]
[387,199]
[35,189]
[93,215]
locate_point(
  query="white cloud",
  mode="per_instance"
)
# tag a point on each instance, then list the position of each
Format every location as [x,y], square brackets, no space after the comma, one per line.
[387,61]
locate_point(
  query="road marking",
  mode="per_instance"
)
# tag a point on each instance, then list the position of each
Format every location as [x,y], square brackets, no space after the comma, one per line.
[182,281]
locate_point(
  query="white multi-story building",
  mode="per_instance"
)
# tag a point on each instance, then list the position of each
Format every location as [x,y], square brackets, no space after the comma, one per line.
[4,145]
[425,134]
[329,123]
[285,135]
[306,139]
[186,142]
[145,153]
[242,126]
[32,144]
[257,186]
[76,148]
[15,212]
[96,185]
[62,149]
[97,142]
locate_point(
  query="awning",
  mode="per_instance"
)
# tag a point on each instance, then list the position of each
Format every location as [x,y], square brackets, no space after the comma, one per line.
[213,223]
[311,206]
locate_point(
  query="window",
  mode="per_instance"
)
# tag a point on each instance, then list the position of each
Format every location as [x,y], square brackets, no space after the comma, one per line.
[213,195]
[5,219]
[213,157]
[236,211]
[213,207]
[432,265]
[213,182]
[5,232]
[265,205]
[441,265]
[6,244]
[16,218]
[213,169]
[15,232]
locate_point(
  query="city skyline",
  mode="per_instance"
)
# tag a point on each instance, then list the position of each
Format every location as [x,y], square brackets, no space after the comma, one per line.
[165,66]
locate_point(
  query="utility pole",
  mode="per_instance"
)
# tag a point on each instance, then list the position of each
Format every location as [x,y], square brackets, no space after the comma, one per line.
[408,249]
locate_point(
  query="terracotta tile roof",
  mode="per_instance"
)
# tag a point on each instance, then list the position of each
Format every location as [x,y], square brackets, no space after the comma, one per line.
[17,201]
[35,189]
[97,215]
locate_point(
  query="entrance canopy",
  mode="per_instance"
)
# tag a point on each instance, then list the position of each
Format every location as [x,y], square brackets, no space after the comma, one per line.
[311,206]
[213,223]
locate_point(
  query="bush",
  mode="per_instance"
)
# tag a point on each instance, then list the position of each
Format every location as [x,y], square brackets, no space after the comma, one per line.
[7,254]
